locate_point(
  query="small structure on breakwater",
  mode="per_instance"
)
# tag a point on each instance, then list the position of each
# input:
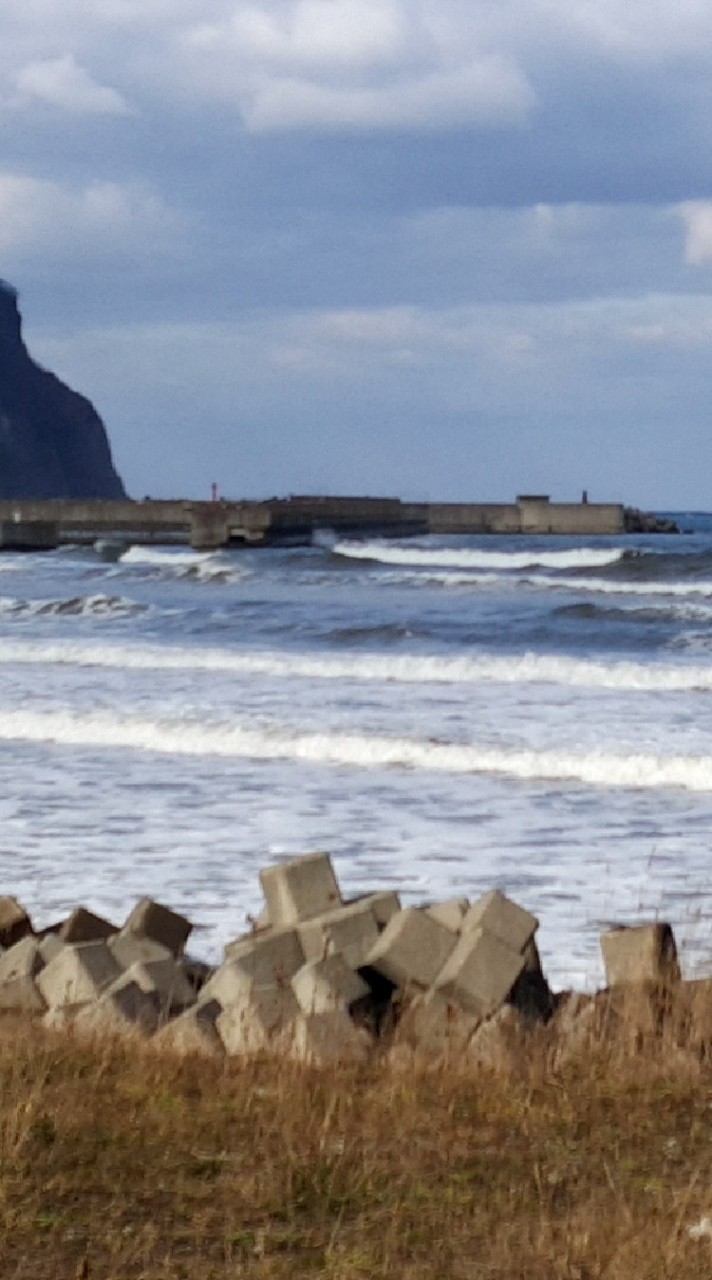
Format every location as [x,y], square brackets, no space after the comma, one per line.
[27,524]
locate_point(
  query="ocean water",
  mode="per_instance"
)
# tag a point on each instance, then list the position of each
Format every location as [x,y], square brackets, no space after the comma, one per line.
[444,715]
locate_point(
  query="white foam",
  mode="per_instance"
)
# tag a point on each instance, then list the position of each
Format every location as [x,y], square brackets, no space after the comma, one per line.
[464,557]
[361,751]
[525,669]
[165,558]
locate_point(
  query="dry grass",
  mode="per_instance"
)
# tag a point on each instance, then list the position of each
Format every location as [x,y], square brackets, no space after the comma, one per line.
[117,1163]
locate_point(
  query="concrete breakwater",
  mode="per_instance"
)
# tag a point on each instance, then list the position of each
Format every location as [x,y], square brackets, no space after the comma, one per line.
[318,979]
[37,525]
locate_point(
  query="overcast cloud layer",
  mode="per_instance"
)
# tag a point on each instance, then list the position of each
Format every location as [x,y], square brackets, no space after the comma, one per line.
[442,250]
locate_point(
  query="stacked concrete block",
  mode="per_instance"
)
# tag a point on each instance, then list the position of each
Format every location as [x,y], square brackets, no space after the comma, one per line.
[15,923]
[152,920]
[128,949]
[327,1037]
[500,916]
[384,904]
[642,953]
[125,1007]
[84,926]
[271,957]
[450,913]
[192,1032]
[498,1043]
[480,972]
[49,946]
[351,931]
[434,1025]
[322,986]
[300,889]
[78,974]
[412,949]
[19,967]
[258,1018]
[164,981]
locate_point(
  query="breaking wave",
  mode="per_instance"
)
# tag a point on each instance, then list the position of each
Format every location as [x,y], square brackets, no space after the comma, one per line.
[465,557]
[529,668]
[202,567]
[360,751]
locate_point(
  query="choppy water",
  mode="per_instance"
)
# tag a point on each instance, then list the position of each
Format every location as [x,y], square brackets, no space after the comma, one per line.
[443,715]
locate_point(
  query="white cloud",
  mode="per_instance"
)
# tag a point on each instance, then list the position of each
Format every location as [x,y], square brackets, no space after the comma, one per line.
[45,216]
[353,63]
[63,83]
[697,219]
[488,91]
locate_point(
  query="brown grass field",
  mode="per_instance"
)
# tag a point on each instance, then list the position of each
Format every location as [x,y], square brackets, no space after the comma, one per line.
[120,1163]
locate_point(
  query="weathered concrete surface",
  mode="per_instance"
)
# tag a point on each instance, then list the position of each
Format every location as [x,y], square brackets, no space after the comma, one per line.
[78,973]
[412,949]
[324,985]
[300,889]
[259,1018]
[350,931]
[152,920]
[502,917]
[480,972]
[643,953]
[271,957]
[84,926]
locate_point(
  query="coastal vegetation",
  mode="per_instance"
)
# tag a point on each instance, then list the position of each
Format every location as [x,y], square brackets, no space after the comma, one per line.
[122,1162]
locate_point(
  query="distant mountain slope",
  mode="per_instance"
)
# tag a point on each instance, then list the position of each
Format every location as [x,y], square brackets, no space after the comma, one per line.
[53,444]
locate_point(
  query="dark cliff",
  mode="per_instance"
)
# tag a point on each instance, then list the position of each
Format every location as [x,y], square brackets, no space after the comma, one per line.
[53,444]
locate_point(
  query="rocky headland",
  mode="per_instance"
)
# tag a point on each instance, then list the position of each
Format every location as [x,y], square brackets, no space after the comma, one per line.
[53,444]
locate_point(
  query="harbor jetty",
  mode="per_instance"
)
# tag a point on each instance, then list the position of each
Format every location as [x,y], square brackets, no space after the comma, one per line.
[34,525]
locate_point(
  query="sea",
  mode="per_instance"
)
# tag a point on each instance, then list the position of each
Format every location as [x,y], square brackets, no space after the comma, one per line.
[443,715]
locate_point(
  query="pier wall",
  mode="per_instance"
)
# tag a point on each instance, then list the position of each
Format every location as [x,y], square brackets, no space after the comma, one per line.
[208,525]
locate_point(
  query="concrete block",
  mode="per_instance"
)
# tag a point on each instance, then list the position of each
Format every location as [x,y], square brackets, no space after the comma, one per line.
[412,949]
[324,985]
[15,923]
[49,946]
[263,1018]
[450,914]
[300,889]
[123,1008]
[85,926]
[328,1037]
[502,917]
[500,1043]
[21,993]
[433,1025]
[480,972]
[165,980]
[150,919]
[78,973]
[351,931]
[267,958]
[23,960]
[384,904]
[127,950]
[641,953]
[192,1032]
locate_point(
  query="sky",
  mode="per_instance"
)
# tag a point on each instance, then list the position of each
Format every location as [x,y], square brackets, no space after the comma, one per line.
[435,249]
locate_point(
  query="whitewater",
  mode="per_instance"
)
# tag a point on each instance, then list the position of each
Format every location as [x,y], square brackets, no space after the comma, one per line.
[442,714]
